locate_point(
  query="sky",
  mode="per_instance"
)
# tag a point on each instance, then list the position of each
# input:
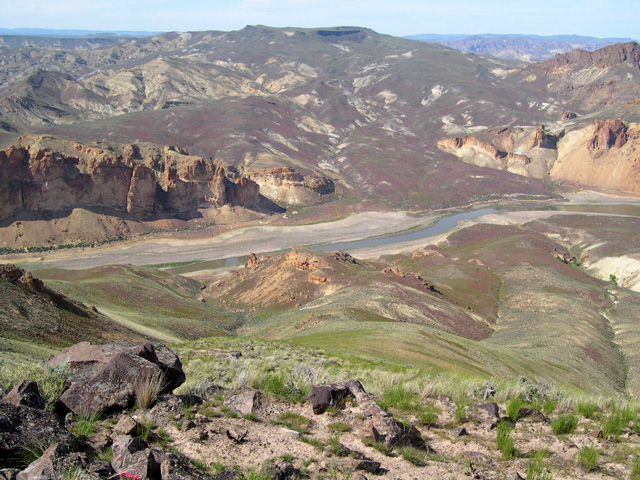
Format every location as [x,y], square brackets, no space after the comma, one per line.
[599,18]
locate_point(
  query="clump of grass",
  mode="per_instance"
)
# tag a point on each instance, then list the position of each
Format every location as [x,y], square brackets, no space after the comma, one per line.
[106,455]
[564,424]
[277,386]
[628,414]
[614,424]
[586,409]
[314,442]
[399,397]
[549,406]
[209,411]
[218,467]
[32,452]
[513,408]
[505,441]
[252,417]
[145,430]
[339,427]
[461,411]
[73,473]
[336,447]
[187,409]
[200,465]
[229,412]
[587,458]
[379,446]
[85,425]
[428,415]
[414,456]
[635,469]
[147,390]
[287,457]
[293,421]
[536,470]
[255,475]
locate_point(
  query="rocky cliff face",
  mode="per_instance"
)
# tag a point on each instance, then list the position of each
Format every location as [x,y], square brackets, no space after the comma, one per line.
[587,81]
[609,56]
[527,152]
[602,155]
[286,186]
[49,175]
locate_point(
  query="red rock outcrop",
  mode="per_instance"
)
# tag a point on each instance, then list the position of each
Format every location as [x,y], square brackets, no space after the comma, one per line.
[486,148]
[608,134]
[543,139]
[304,260]
[601,156]
[41,174]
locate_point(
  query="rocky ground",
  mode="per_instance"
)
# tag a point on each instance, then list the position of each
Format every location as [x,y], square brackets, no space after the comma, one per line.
[114,419]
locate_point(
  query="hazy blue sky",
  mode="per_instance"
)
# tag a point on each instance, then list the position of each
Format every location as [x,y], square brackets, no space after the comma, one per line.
[602,18]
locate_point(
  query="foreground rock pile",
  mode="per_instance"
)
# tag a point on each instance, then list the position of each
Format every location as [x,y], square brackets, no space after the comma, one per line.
[338,430]
[109,381]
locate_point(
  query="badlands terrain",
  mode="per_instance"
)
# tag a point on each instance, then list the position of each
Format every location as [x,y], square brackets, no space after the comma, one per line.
[292,208]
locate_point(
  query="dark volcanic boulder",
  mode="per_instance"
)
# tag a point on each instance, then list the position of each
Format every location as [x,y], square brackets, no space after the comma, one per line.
[176,467]
[106,376]
[113,388]
[325,396]
[26,394]
[133,456]
[85,360]
[486,412]
[23,427]
[51,464]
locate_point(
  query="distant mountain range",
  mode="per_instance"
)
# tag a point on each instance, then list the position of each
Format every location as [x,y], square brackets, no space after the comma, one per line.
[309,115]
[50,32]
[529,48]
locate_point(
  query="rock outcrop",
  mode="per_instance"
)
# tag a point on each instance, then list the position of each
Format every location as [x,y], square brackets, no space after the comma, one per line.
[603,58]
[382,426]
[601,156]
[27,282]
[608,134]
[46,175]
[26,394]
[286,186]
[109,377]
[22,426]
